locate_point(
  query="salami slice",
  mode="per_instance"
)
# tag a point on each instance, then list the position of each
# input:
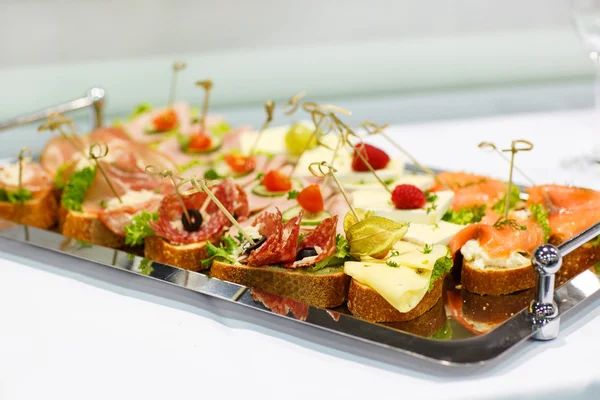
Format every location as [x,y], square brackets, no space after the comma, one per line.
[170,214]
[322,237]
[289,240]
[269,225]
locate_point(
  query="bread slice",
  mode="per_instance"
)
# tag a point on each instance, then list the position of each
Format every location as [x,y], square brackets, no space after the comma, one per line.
[577,261]
[427,324]
[88,228]
[188,256]
[325,288]
[39,212]
[365,303]
[497,281]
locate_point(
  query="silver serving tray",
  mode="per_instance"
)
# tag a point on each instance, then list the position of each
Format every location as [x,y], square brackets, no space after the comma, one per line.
[455,352]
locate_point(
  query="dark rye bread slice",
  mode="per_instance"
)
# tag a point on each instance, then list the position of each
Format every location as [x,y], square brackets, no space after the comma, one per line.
[497,281]
[427,324]
[40,212]
[365,303]
[494,309]
[577,261]
[188,256]
[325,288]
[88,228]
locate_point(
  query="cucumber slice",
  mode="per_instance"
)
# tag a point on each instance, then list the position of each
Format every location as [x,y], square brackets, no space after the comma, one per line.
[308,219]
[216,145]
[150,130]
[223,169]
[261,190]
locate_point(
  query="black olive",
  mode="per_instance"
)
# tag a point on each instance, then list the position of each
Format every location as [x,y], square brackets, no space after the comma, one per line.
[257,243]
[195,223]
[306,252]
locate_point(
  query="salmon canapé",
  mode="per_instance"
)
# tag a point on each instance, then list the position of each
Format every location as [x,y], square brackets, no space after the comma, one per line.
[571,210]
[501,241]
[469,189]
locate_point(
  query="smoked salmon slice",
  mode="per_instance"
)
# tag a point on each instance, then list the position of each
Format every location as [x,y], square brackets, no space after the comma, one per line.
[470,190]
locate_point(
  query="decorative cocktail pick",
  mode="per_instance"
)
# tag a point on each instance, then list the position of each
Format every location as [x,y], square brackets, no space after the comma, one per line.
[492,146]
[199,185]
[167,173]
[207,85]
[97,151]
[25,153]
[294,103]
[514,149]
[177,66]
[269,109]
[56,122]
[323,169]
[373,129]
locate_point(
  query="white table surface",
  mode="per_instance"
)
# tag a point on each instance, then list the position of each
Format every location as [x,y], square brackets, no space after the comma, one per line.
[73,330]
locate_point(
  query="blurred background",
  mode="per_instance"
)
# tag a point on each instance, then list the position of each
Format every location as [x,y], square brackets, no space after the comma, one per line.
[391,61]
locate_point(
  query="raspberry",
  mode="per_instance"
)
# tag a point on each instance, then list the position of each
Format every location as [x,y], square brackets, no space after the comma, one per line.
[408,197]
[374,156]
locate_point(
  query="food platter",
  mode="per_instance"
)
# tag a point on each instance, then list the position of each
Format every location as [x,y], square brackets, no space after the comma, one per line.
[459,328]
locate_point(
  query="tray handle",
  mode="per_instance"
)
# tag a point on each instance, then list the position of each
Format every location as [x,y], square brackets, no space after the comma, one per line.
[94,97]
[547,260]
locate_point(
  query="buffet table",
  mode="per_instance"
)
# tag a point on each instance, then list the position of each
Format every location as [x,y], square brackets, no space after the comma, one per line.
[71,329]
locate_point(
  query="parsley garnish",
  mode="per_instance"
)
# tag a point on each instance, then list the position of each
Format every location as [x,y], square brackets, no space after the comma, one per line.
[431,208]
[139,228]
[389,181]
[211,174]
[441,267]
[224,252]
[75,189]
[292,194]
[259,176]
[15,196]
[392,264]
[465,216]
[342,254]
[511,223]
[394,253]
[430,197]
[541,216]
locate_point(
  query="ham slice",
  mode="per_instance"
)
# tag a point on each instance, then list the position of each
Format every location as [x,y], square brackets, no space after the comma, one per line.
[136,128]
[33,177]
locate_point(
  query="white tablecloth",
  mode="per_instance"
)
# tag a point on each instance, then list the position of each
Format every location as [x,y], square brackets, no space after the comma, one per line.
[72,330]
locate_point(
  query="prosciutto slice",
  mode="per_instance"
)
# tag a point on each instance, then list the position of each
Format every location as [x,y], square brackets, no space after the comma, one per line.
[116,219]
[33,178]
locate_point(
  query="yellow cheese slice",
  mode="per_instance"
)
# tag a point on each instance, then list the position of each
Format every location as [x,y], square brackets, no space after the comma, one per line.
[403,287]
[418,259]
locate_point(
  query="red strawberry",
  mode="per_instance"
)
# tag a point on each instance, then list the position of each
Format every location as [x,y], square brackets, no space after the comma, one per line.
[374,156]
[408,197]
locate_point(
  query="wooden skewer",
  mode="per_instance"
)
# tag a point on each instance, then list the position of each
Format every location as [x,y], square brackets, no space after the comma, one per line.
[177,66]
[167,173]
[316,169]
[55,122]
[269,109]
[492,146]
[200,185]
[207,85]
[293,104]
[514,149]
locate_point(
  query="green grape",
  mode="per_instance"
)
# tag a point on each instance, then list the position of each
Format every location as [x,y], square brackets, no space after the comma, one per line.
[297,138]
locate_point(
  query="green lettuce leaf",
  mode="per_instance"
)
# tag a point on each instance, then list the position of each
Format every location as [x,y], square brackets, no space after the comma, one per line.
[514,198]
[223,253]
[441,267]
[541,216]
[445,333]
[342,254]
[15,196]
[140,109]
[74,190]
[220,129]
[465,216]
[139,228]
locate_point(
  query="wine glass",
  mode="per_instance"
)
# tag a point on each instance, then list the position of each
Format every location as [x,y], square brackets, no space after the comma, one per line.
[586,15]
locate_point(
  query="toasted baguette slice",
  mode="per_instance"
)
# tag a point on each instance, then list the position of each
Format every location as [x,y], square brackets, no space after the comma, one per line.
[494,309]
[426,324]
[577,261]
[88,228]
[188,256]
[365,303]
[325,288]
[497,281]
[39,212]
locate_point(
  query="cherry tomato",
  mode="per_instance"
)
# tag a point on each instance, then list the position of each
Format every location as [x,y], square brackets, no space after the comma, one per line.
[200,141]
[239,163]
[165,121]
[276,181]
[311,199]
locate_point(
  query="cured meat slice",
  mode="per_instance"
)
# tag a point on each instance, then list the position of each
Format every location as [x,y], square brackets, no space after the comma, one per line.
[281,305]
[170,214]
[289,240]
[323,237]
[117,218]
[33,177]
[269,225]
